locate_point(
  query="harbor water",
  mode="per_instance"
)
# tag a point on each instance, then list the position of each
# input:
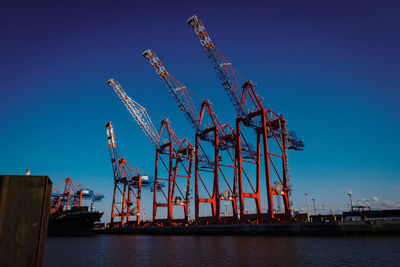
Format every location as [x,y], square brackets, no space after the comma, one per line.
[146,250]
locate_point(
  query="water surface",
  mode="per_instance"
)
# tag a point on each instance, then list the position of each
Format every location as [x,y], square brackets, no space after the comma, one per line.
[134,250]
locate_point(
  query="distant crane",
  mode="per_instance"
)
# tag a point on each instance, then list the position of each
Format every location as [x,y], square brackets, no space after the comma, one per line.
[351,201]
[267,125]
[174,154]
[67,194]
[128,183]
[220,136]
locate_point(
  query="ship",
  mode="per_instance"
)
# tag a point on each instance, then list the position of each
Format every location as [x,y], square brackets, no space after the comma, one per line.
[78,221]
[68,217]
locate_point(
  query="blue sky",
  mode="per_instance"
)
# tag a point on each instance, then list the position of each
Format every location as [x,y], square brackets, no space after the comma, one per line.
[330,67]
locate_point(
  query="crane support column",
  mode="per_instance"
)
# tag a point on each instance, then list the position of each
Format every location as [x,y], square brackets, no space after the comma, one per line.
[265,123]
[127,186]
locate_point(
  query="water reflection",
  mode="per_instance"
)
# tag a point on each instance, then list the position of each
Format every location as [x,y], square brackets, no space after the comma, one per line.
[131,250]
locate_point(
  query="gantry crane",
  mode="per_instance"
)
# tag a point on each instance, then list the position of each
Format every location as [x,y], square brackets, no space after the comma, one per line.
[72,195]
[128,183]
[174,154]
[219,162]
[267,125]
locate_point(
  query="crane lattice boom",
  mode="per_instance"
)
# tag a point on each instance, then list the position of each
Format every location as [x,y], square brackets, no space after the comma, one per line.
[175,88]
[221,65]
[240,96]
[138,112]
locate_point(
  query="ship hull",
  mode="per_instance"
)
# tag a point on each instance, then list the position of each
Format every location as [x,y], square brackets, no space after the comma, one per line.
[73,223]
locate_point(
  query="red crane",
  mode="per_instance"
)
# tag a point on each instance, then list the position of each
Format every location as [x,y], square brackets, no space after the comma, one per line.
[212,164]
[128,181]
[173,164]
[71,195]
[269,128]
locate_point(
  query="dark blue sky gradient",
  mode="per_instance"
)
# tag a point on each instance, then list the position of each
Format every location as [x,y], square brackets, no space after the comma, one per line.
[331,67]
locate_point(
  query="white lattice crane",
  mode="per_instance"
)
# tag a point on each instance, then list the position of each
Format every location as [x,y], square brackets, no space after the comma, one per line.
[175,156]
[138,112]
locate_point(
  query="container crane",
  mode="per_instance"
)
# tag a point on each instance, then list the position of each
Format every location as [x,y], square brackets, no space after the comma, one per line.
[128,183]
[220,136]
[177,90]
[267,125]
[175,156]
[71,195]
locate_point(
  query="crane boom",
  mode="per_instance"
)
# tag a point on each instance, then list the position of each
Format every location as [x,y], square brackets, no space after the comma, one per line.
[221,65]
[138,112]
[113,150]
[174,158]
[119,164]
[175,88]
[240,96]
[269,127]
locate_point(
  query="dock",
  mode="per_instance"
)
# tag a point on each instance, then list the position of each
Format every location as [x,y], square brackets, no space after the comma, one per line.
[361,228]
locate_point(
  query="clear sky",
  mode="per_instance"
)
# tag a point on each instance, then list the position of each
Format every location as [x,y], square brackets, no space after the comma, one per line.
[331,67]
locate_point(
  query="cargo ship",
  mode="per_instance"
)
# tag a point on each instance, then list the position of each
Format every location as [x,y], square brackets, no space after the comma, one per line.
[68,217]
[74,222]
